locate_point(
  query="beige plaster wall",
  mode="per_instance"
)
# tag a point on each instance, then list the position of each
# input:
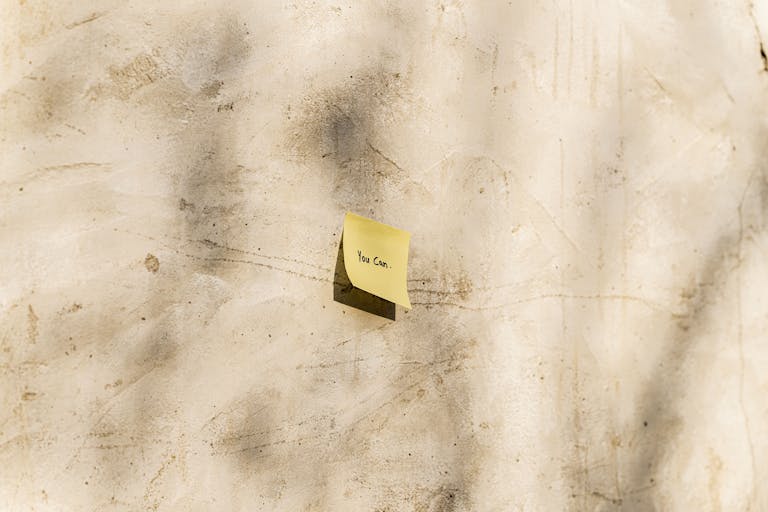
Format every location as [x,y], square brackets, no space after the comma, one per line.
[586,186]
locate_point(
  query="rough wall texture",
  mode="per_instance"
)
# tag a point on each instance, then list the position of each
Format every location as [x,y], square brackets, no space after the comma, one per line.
[587,188]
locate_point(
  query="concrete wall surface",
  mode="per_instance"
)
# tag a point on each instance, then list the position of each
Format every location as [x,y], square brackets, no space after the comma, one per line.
[586,185]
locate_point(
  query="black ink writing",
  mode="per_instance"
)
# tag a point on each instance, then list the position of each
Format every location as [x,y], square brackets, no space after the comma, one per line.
[362,258]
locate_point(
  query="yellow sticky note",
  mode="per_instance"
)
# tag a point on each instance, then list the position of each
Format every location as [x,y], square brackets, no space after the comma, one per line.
[376,258]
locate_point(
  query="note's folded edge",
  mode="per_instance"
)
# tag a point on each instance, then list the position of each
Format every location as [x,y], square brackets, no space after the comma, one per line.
[344,292]
[351,274]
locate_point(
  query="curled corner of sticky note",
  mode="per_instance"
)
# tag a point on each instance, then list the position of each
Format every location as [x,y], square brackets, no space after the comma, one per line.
[376,258]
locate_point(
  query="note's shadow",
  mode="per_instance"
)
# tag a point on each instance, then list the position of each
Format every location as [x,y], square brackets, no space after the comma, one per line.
[345,293]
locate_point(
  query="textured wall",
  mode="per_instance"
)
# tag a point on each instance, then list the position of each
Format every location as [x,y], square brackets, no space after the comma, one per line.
[587,188]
